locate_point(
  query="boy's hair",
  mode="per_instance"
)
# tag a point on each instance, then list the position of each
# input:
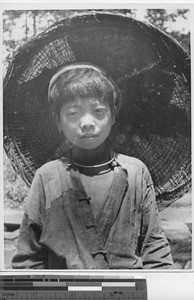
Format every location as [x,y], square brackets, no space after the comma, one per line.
[83,80]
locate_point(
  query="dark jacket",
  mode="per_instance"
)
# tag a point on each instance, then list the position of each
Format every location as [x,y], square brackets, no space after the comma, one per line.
[59,230]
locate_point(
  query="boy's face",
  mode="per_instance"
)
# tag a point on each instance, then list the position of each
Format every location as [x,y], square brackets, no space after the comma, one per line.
[85,122]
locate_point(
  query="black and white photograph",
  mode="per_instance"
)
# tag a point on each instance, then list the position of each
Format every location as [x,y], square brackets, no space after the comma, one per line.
[97,139]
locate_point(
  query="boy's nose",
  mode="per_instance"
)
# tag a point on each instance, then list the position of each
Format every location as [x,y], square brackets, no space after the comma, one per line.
[87,122]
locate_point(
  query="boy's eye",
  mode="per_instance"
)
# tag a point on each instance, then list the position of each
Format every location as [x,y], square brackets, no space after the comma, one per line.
[100,110]
[72,113]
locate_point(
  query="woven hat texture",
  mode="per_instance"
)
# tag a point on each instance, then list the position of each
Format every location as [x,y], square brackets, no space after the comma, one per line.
[152,72]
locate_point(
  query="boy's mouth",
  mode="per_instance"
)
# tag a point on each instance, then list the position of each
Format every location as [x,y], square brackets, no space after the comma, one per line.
[88,136]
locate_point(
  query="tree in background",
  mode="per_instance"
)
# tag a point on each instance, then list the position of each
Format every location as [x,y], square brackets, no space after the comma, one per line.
[20,25]
[164,21]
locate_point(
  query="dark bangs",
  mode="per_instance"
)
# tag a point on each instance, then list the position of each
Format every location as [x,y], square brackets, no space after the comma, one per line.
[82,83]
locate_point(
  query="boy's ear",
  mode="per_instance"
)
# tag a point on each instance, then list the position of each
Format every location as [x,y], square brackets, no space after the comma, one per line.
[56,119]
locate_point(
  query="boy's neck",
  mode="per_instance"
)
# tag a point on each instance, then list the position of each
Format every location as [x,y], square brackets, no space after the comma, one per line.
[91,157]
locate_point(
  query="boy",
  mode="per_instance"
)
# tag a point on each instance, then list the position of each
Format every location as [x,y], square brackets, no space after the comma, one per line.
[95,209]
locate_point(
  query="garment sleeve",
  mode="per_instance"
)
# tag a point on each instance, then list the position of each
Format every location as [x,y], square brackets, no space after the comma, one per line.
[155,249]
[29,253]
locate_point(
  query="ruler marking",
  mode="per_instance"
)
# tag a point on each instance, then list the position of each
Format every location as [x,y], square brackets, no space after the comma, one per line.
[84,283]
[118,284]
[48,284]
[72,287]
[84,288]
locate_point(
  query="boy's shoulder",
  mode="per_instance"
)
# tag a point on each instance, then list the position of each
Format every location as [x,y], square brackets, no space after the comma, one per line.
[54,180]
[134,167]
[130,161]
[50,168]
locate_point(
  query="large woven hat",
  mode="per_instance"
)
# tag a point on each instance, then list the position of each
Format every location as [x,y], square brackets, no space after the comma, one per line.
[152,72]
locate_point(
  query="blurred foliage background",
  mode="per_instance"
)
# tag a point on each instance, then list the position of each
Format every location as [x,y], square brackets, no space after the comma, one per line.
[20,25]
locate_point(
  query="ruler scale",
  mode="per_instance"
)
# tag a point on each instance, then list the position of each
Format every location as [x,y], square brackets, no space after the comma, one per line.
[29,287]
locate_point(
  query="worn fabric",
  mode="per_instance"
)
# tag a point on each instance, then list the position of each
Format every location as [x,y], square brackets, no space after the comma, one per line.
[97,186]
[59,230]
